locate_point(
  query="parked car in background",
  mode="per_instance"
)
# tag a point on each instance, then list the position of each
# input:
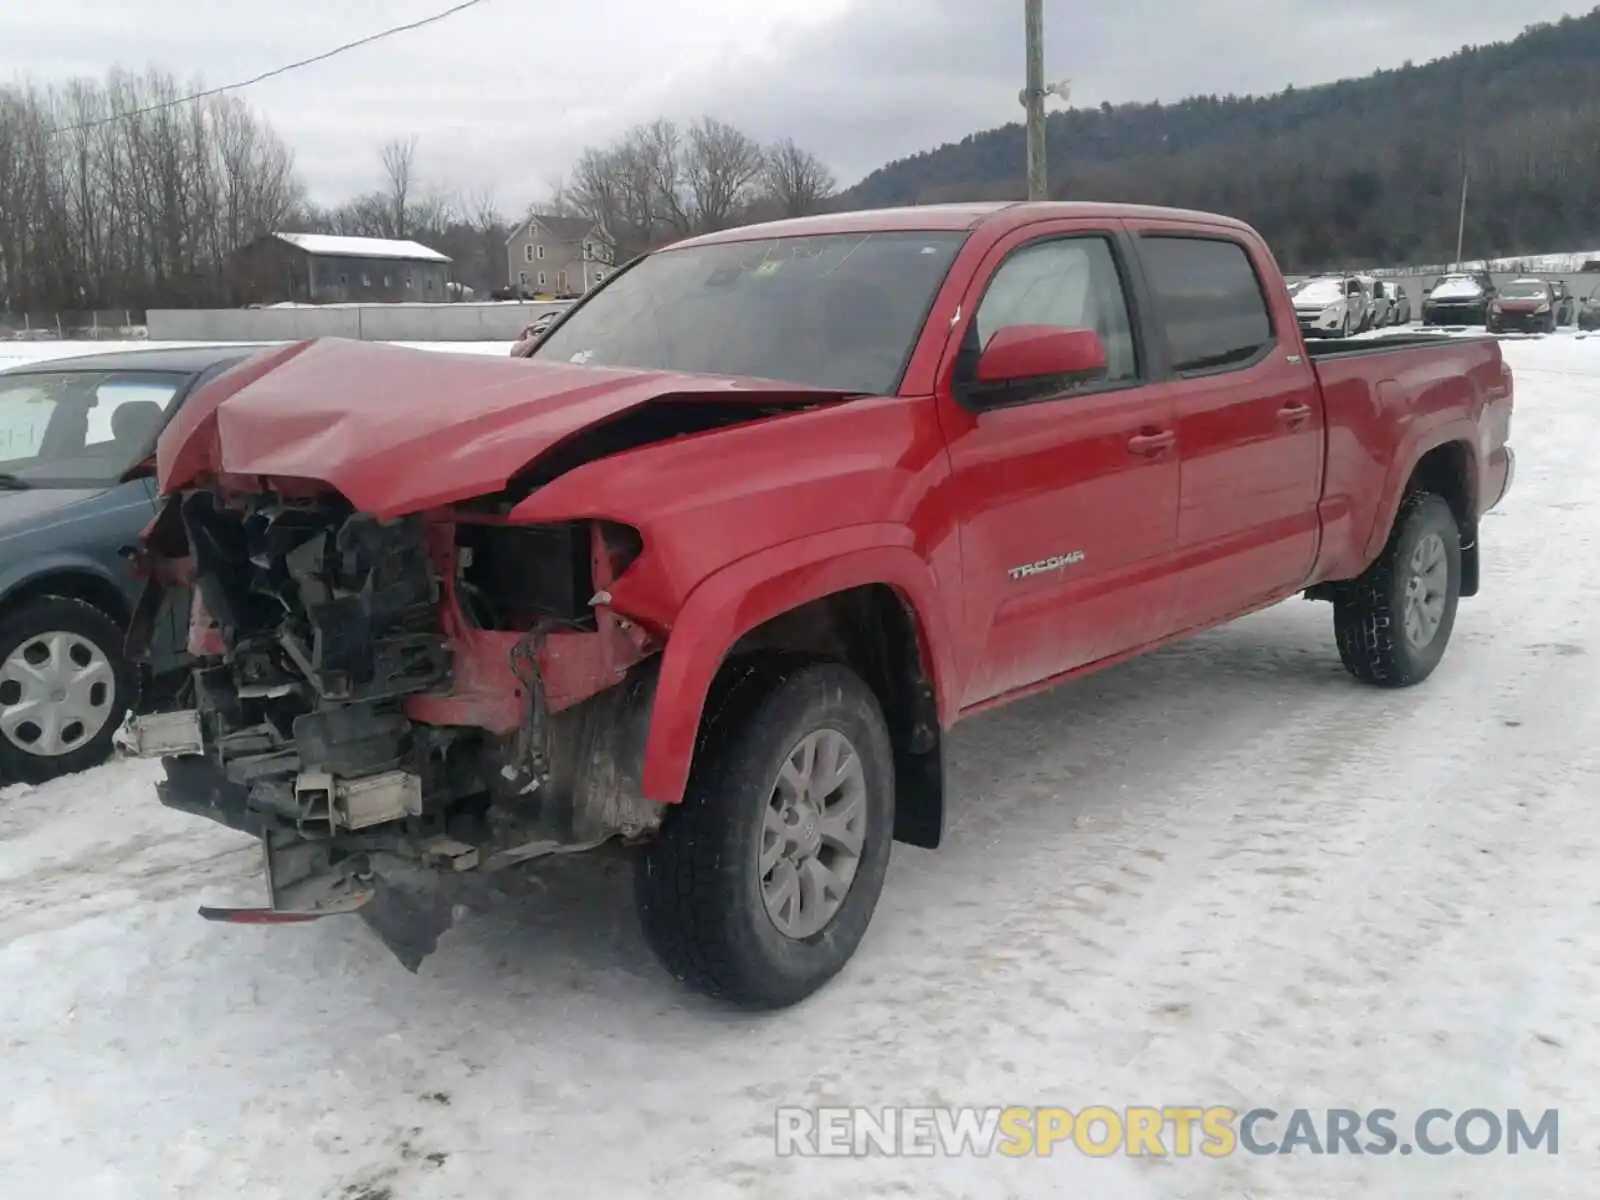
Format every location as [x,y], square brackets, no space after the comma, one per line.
[1379,302]
[1566,304]
[1400,306]
[1330,306]
[76,488]
[1589,312]
[716,569]
[1461,298]
[1525,305]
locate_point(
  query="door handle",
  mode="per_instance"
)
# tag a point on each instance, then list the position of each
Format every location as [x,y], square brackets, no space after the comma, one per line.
[1294,414]
[1152,443]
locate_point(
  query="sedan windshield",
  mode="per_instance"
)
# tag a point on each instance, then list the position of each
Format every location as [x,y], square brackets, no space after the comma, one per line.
[80,428]
[839,311]
[1457,285]
[1526,290]
[1318,291]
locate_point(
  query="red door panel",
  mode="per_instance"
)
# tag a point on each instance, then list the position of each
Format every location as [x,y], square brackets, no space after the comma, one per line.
[1066,533]
[1250,426]
[1066,504]
[1249,485]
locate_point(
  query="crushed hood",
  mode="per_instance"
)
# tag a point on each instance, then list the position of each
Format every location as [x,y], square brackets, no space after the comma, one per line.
[397,430]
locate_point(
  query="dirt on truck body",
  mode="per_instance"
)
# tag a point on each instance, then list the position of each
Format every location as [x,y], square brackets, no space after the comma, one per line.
[713,568]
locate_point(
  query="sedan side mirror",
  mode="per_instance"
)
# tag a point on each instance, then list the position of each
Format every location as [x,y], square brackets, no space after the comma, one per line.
[145,468]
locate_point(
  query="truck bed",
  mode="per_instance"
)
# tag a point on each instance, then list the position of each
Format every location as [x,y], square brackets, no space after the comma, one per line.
[1387,400]
[1319,349]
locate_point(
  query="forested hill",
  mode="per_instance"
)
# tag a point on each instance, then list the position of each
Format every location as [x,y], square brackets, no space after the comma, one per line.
[1361,172]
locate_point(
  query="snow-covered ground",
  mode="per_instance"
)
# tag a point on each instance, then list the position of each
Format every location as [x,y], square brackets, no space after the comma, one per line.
[1224,874]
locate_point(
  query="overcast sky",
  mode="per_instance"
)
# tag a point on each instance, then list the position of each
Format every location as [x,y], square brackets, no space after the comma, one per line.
[504,95]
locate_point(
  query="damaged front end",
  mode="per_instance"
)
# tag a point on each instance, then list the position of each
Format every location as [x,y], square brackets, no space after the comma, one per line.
[396,707]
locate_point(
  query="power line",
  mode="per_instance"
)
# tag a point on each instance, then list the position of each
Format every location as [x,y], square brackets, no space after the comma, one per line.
[283,70]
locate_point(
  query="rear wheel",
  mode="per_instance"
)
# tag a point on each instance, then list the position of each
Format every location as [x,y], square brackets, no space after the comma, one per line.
[760,886]
[1394,622]
[64,688]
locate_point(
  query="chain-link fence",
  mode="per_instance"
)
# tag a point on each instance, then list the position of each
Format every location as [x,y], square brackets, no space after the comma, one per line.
[117,324]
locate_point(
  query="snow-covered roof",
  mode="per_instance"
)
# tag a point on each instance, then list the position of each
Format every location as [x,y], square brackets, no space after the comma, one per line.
[361,247]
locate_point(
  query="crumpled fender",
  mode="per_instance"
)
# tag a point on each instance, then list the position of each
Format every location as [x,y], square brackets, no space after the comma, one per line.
[737,598]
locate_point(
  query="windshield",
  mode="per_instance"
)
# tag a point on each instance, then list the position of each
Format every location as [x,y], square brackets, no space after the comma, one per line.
[1457,285]
[80,428]
[836,311]
[1527,289]
[1319,291]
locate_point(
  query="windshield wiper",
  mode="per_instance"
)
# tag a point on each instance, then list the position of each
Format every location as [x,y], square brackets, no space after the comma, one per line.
[13,483]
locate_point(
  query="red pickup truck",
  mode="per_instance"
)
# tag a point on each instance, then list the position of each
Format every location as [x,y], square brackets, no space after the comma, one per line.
[712,571]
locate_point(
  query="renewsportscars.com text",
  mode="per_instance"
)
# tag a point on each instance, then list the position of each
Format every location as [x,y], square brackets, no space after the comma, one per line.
[1159,1131]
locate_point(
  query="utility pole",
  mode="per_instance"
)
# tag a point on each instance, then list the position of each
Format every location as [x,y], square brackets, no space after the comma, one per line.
[1461,227]
[1033,100]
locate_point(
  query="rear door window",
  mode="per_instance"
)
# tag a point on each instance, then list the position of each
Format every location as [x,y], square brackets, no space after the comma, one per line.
[1211,301]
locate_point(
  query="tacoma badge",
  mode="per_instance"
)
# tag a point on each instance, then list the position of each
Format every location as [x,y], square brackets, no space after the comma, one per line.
[1046,564]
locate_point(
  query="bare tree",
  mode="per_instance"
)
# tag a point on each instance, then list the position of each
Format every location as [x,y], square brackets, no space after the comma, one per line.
[722,163]
[398,156]
[122,193]
[483,214]
[796,180]
[597,189]
[659,152]
[657,183]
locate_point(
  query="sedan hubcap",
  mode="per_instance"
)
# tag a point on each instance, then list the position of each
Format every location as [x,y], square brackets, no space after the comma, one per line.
[56,692]
[1426,582]
[815,827]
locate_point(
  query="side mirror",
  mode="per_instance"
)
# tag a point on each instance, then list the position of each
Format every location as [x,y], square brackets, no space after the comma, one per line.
[1019,353]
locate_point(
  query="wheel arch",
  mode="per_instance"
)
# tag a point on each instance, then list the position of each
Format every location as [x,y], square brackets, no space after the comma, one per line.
[863,596]
[1447,465]
[73,581]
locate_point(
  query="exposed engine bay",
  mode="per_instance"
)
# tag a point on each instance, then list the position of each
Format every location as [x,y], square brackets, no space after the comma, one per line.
[443,692]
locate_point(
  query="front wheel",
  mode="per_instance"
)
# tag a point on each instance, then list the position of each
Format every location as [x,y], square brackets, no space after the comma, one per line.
[1394,622]
[64,688]
[760,885]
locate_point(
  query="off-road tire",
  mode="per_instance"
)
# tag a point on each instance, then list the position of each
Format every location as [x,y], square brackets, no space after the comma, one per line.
[697,884]
[1368,612]
[48,614]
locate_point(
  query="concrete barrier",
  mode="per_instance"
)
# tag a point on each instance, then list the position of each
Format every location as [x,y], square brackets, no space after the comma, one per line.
[361,322]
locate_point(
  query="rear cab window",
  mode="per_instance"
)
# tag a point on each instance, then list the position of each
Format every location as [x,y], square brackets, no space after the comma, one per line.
[1210,302]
